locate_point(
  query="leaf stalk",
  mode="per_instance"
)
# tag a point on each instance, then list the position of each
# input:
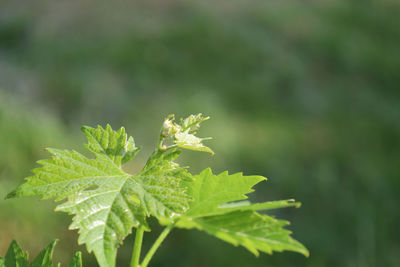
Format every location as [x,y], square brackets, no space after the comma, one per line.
[156,245]
[137,246]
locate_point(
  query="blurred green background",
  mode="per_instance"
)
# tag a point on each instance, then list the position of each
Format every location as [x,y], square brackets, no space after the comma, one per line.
[305,93]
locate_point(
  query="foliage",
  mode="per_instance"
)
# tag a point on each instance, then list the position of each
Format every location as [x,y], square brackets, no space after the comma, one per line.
[15,257]
[304,93]
[108,202]
[216,209]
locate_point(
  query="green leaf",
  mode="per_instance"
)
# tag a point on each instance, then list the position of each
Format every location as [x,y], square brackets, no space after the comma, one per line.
[15,257]
[217,207]
[183,134]
[106,201]
[247,205]
[189,141]
[162,193]
[45,257]
[192,123]
[76,261]
[209,191]
[110,143]
[248,228]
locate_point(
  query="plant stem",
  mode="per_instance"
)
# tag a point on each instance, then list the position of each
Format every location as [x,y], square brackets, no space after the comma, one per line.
[137,246]
[156,244]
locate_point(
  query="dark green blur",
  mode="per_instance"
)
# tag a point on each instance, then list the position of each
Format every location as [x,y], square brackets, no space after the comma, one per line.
[305,93]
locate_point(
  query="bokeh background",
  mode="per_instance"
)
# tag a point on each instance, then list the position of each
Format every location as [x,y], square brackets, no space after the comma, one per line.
[305,93]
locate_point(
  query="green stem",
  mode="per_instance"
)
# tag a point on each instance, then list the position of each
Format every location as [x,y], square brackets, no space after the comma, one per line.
[137,246]
[156,244]
[160,141]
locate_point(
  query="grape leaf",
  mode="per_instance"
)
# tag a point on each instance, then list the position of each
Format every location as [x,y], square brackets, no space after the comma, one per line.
[192,122]
[15,257]
[106,201]
[183,134]
[189,141]
[209,191]
[114,145]
[217,207]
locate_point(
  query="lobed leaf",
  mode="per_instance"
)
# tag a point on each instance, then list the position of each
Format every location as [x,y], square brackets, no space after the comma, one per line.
[108,202]
[217,207]
[208,191]
[192,123]
[114,144]
[248,228]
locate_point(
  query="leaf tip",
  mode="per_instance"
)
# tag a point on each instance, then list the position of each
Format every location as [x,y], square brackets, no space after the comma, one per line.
[14,243]
[12,194]
[303,250]
[85,128]
[54,242]
[207,171]
[292,203]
